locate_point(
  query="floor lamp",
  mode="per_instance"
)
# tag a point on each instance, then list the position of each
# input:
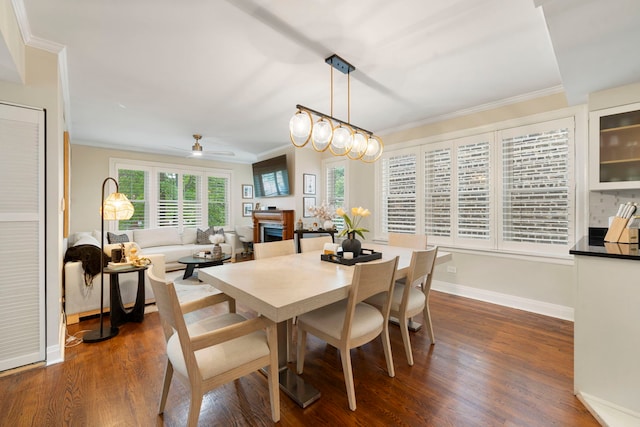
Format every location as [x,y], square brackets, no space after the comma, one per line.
[115,207]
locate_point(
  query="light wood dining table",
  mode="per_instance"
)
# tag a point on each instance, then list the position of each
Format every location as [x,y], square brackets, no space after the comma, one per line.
[283,287]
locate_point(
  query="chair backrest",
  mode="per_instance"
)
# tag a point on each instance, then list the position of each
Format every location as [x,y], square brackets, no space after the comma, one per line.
[245,233]
[164,294]
[272,249]
[414,241]
[369,279]
[314,244]
[420,272]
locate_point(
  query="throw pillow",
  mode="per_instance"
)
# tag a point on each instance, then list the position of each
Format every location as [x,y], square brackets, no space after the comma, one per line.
[203,236]
[117,238]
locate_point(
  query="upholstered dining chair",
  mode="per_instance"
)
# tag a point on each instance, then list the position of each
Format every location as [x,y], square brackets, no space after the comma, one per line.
[413,241]
[412,297]
[276,248]
[314,244]
[214,350]
[351,323]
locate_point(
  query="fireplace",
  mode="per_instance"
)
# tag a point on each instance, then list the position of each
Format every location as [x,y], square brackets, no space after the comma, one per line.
[272,225]
[271,232]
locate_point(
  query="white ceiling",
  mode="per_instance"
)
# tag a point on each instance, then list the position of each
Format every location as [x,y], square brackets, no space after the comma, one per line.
[146,74]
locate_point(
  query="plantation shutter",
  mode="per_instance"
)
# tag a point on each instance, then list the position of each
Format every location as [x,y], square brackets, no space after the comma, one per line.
[218,208]
[134,184]
[167,208]
[473,191]
[537,206]
[191,200]
[335,184]
[437,192]
[399,192]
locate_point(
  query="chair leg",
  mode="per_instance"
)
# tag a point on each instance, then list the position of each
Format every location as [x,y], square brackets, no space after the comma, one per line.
[345,356]
[194,408]
[168,374]
[274,386]
[404,330]
[302,344]
[427,322]
[386,344]
[232,305]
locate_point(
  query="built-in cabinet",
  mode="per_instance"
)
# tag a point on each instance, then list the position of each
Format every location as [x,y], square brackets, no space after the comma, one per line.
[614,135]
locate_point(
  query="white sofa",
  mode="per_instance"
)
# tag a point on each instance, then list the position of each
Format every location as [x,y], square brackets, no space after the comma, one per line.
[163,246]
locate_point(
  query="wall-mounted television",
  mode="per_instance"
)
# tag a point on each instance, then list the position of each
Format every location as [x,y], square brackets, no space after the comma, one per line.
[271,177]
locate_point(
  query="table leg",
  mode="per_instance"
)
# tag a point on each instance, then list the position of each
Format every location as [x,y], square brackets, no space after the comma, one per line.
[413,326]
[188,272]
[292,384]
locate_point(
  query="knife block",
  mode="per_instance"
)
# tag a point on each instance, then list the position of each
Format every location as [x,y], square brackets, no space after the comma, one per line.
[628,235]
[616,229]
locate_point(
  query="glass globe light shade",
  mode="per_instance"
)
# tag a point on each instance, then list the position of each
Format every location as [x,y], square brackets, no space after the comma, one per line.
[341,137]
[373,146]
[322,133]
[300,125]
[359,143]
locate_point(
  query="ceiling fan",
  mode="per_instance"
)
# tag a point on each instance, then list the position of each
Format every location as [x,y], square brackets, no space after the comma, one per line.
[197,150]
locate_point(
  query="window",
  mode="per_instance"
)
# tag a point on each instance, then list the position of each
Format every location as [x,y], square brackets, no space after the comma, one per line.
[398,199]
[168,196]
[335,192]
[537,201]
[134,184]
[507,190]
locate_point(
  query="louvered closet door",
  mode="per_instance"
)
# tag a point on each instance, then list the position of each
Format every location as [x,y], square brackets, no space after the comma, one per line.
[22,284]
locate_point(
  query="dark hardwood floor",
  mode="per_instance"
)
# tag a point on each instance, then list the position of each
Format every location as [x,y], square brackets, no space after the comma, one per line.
[490,366]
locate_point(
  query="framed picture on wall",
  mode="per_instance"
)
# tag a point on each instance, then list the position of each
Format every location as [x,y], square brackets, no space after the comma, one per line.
[309,182]
[247,191]
[308,202]
[247,209]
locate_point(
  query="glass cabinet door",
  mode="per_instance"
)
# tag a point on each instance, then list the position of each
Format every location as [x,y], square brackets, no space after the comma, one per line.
[615,148]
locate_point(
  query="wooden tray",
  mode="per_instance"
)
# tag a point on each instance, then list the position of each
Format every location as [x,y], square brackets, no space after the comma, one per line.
[365,256]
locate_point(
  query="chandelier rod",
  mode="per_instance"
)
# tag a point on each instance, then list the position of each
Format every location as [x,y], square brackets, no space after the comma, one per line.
[317,113]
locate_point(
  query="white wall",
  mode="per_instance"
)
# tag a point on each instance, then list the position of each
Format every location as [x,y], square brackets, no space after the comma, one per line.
[90,166]
[42,89]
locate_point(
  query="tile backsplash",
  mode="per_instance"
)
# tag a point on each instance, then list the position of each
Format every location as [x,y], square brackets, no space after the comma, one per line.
[603,204]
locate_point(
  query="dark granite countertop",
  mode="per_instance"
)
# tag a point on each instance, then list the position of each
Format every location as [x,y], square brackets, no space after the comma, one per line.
[596,247]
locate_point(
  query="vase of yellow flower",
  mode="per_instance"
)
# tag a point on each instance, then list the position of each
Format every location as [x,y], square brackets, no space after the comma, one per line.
[351,228]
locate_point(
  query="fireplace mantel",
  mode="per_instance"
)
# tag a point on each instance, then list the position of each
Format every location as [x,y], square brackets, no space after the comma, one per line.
[282,218]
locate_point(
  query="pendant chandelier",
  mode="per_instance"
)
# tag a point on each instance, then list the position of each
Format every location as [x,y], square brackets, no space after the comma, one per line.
[329,133]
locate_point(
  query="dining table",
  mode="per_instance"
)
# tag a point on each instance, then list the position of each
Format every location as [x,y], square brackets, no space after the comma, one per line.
[281,288]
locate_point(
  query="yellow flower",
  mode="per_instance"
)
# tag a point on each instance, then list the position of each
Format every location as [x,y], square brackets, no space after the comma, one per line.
[351,224]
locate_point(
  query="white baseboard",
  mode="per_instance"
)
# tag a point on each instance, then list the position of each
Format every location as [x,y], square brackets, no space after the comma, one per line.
[609,414]
[534,306]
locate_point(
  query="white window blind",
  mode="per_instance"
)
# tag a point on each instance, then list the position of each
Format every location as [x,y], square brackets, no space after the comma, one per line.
[537,201]
[473,191]
[335,189]
[437,192]
[399,178]
[218,195]
[191,200]
[167,207]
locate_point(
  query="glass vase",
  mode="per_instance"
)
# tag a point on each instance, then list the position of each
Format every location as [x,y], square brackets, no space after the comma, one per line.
[351,244]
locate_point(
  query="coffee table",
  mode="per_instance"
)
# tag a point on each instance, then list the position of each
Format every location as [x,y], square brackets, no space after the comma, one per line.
[194,262]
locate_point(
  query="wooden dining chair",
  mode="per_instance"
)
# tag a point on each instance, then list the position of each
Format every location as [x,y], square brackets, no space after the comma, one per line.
[314,244]
[413,241]
[271,249]
[214,350]
[351,323]
[412,297]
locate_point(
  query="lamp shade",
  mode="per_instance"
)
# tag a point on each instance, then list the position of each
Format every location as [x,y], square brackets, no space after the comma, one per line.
[117,207]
